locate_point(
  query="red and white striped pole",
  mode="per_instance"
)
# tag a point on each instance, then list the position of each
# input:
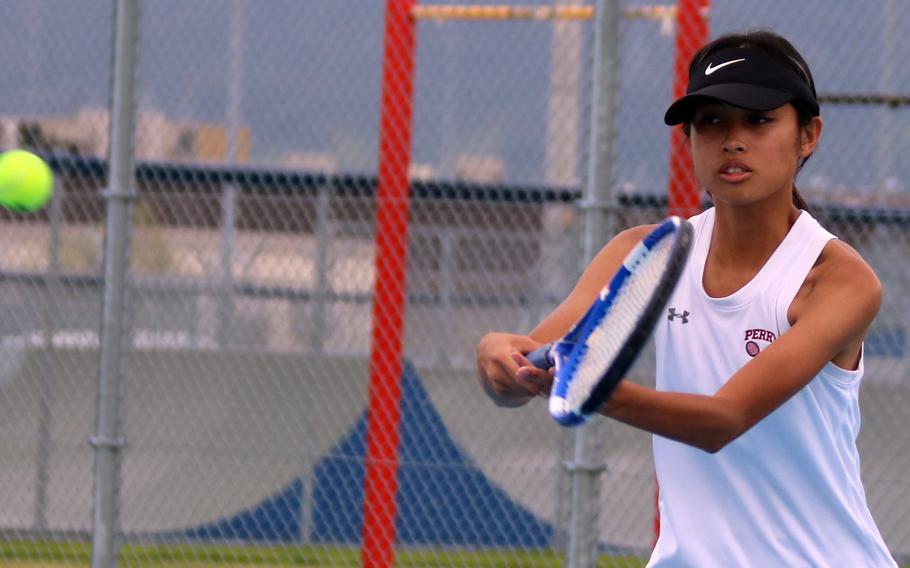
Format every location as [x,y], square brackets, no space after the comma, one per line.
[387,348]
[691,34]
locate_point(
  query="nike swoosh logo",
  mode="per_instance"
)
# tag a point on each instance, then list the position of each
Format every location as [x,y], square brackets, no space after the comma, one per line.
[711,69]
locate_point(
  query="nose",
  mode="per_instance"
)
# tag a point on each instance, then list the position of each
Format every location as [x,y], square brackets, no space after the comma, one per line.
[733,139]
[733,146]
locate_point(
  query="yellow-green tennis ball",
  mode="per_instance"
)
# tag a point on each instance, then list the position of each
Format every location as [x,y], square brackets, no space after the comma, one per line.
[26,181]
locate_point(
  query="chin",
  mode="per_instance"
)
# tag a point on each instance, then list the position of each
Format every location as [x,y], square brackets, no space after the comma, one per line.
[742,198]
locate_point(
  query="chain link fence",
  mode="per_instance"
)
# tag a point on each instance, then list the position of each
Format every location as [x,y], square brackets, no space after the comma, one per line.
[250,385]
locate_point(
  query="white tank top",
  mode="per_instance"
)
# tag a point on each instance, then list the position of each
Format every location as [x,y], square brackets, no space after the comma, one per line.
[788,491]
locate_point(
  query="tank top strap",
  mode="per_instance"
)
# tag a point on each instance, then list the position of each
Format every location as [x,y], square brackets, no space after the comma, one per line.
[702,229]
[804,244]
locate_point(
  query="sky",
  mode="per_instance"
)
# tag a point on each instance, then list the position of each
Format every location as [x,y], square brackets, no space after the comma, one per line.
[310,76]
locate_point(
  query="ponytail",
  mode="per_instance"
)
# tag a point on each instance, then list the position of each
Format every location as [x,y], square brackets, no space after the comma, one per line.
[799,202]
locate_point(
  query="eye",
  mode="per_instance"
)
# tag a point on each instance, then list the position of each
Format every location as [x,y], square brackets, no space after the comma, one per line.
[756,118]
[706,119]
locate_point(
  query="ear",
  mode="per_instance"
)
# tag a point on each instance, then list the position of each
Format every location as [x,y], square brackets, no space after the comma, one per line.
[809,136]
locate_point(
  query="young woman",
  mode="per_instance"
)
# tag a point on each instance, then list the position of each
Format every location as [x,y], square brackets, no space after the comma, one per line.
[755,412]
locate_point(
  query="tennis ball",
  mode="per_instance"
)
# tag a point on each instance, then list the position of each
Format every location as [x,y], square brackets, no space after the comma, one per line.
[26,181]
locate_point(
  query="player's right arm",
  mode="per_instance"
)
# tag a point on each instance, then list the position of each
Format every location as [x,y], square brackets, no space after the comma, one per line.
[500,355]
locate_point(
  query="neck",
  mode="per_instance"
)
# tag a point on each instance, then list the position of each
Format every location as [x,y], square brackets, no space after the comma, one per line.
[746,236]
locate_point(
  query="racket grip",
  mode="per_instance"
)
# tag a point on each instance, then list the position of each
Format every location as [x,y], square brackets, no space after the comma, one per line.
[541,357]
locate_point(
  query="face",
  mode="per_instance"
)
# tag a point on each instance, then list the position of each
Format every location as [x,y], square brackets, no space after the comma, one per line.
[743,156]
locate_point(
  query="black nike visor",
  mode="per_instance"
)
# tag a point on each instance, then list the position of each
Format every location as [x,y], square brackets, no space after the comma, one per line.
[745,77]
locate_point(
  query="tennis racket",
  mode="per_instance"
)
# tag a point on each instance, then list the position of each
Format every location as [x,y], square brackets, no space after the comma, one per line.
[598,351]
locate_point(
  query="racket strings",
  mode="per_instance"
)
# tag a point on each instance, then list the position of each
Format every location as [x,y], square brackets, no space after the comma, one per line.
[605,342]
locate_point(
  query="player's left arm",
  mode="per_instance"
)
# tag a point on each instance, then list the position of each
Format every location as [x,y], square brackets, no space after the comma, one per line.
[830,316]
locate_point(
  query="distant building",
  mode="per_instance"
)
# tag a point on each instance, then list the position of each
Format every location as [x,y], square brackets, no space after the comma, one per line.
[479,168]
[157,138]
[322,162]
[421,172]
[327,163]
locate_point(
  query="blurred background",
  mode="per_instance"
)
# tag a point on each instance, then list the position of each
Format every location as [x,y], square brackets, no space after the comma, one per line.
[253,340]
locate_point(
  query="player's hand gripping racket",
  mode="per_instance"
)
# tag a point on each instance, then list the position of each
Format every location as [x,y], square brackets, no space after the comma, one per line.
[598,351]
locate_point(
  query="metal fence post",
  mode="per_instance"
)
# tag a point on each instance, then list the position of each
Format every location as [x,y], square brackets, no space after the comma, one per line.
[48,325]
[230,190]
[447,270]
[587,462]
[118,197]
[324,234]
[228,244]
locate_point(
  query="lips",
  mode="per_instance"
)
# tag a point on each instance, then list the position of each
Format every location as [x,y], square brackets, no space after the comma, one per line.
[733,171]
[733,167]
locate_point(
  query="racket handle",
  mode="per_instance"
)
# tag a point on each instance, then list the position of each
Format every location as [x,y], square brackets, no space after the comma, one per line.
[541,357]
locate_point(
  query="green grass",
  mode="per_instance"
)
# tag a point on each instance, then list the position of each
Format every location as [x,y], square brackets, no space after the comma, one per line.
[54,554]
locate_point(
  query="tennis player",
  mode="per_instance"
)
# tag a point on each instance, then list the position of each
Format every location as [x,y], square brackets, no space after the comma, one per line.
[760,352]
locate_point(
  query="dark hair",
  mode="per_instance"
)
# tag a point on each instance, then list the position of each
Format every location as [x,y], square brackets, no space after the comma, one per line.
[780,49]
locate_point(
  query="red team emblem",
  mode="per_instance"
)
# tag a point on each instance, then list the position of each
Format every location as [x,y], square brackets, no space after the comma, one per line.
[754,336]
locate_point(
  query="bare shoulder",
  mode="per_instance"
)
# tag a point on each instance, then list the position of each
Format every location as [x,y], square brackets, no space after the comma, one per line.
[839,275]
[592,280]
[631,236]
[639,232]
[839,264]
[610,256]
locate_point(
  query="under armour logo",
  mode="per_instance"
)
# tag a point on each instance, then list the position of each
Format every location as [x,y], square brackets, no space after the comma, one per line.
[683,316]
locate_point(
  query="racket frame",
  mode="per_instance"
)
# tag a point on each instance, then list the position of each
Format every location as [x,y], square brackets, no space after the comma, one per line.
[567,353]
